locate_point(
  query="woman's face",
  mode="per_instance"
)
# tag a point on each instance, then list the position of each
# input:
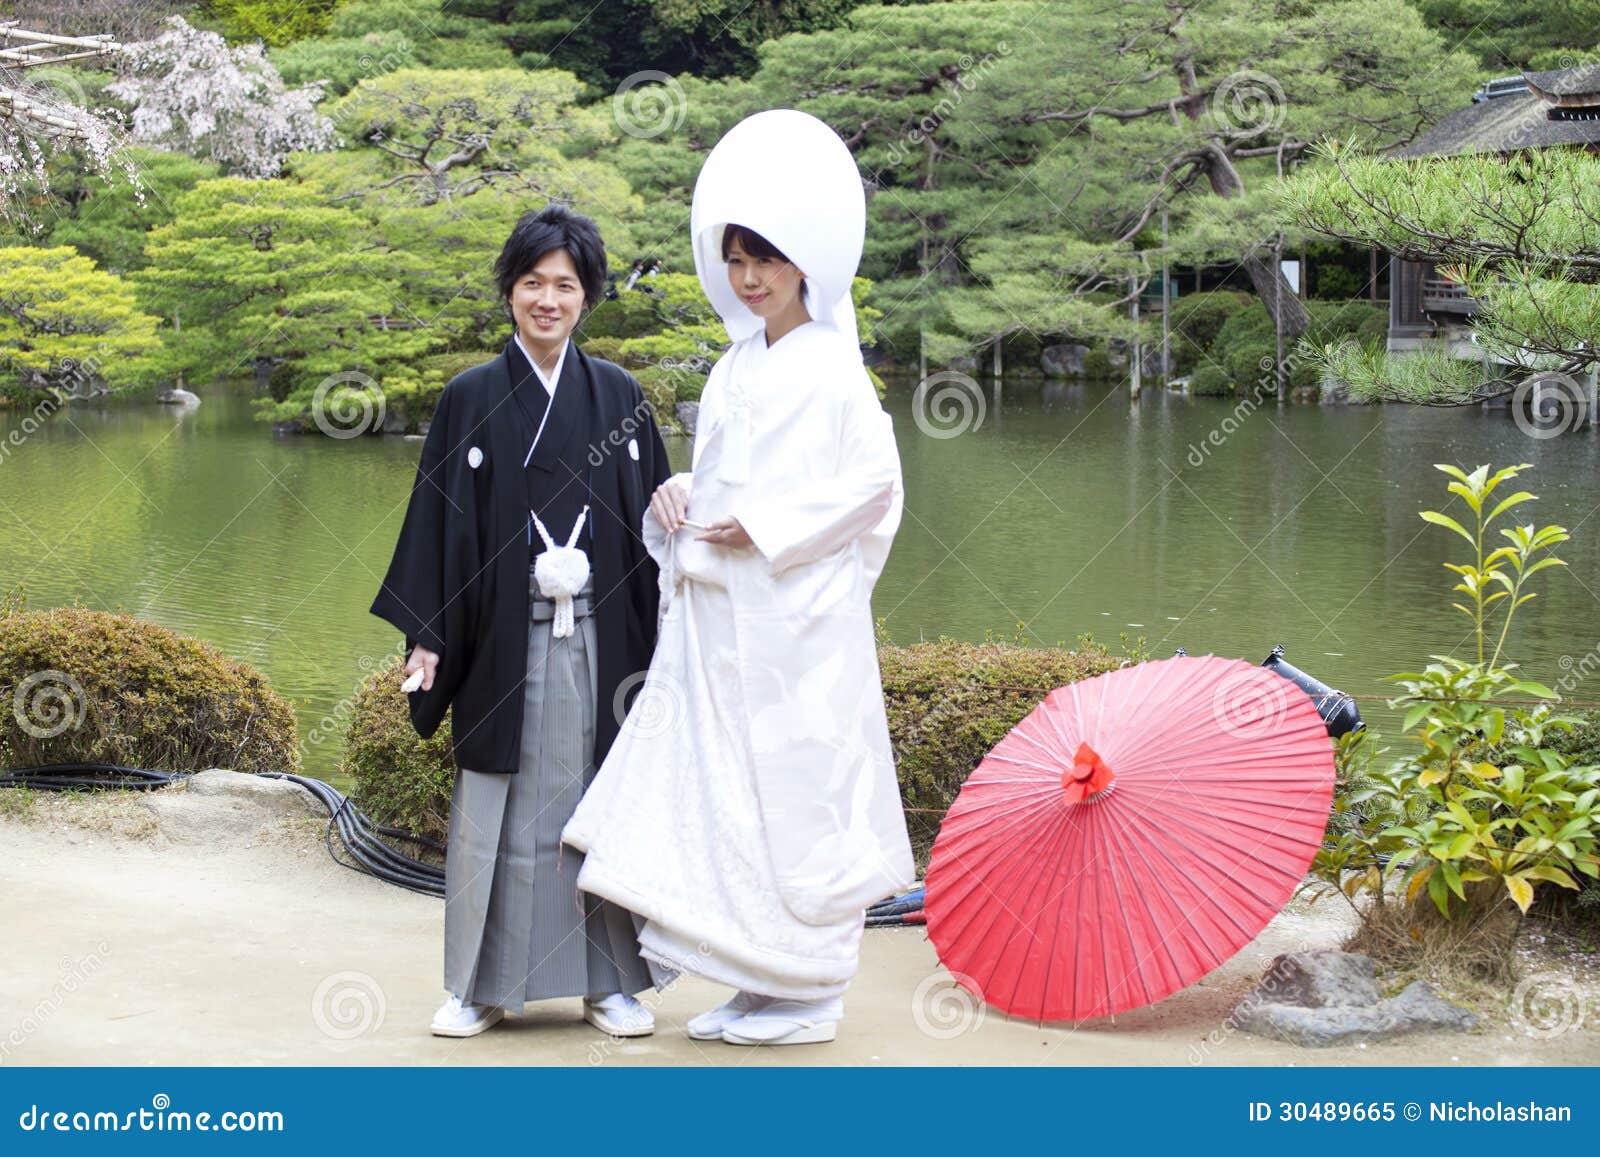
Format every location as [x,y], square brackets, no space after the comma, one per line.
[547,300]
[768,286]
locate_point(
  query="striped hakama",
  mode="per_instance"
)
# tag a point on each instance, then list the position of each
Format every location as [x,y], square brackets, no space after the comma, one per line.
[516,926]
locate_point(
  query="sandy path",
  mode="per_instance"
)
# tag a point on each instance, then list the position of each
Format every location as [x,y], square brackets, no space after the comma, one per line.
[127,946]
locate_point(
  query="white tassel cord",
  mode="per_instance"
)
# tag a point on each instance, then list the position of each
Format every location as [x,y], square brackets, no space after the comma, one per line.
[561,572]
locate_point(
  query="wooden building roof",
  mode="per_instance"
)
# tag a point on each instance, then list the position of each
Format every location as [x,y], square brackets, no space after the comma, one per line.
[1533,111]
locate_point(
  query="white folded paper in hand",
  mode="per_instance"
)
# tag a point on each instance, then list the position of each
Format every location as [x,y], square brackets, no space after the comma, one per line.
[413,682]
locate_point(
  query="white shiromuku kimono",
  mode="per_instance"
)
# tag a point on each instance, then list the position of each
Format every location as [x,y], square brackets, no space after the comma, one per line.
[749,808]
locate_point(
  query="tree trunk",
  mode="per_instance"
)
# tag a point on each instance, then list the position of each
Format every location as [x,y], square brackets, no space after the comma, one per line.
[1288,311]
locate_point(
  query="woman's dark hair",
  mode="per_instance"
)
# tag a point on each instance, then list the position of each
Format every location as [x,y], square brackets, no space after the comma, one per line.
[751,242]
[554,227]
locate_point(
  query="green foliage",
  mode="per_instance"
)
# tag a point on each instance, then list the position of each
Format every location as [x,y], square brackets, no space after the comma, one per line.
[1488,807]
[1518,233]
[339,63]
[65,322]
[370,38]
[434,134]
[1196,321]
[271,21]
[1210,380]
[266,271]
[1246,346]
[1508,35]
[948,704]
[116,689]
[109,220]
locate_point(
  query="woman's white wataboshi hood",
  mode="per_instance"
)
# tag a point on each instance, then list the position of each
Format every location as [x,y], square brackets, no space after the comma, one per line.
[788,176]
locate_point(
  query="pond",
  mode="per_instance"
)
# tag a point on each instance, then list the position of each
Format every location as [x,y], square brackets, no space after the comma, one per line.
[1064,507]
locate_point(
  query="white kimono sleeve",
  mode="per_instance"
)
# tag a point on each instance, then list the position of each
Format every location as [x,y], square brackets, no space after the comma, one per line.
[816,519]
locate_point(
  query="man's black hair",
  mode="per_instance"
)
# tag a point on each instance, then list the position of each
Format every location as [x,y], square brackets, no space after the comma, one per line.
[554,227]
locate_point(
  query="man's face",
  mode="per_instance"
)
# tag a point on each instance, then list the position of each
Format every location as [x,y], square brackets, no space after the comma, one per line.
[547,301]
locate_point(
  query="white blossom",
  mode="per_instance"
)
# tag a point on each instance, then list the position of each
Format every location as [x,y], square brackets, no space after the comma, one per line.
[191,93]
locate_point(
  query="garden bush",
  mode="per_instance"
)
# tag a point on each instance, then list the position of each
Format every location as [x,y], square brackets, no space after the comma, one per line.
[95,687]
[1451,843]
[1246,346]
[1196,322]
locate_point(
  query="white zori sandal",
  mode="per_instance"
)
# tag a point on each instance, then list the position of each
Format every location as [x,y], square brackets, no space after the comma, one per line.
[709,1025]
[458,1018]
[787,1022]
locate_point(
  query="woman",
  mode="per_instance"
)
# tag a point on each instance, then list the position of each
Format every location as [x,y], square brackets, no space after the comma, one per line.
[530,673]
[748,809]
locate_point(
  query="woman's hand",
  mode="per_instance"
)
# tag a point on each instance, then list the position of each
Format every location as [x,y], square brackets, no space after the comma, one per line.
[670,505]
[726,532]
[422,660]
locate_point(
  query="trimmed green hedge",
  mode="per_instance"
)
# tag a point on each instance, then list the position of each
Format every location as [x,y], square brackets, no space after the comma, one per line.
[1196,321]
[1246,346]
[948,703]
[87,686]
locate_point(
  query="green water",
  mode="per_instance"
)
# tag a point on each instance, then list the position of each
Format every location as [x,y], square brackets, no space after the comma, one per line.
[1068,509]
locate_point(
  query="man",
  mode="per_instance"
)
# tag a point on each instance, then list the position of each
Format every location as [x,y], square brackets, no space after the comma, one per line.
[542,440]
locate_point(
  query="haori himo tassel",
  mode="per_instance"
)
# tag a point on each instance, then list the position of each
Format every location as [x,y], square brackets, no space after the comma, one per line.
[561,572]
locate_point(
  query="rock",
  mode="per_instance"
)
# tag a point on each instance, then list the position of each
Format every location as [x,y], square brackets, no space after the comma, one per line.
[1063,361]
[220,806]
[1333,390]
[394,422]
[687,413]
[177,397]
[1321,979]
[423,426]
[1321,999]
[965,364]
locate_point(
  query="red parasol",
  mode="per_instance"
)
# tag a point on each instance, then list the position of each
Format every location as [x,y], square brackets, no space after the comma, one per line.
[1128,836]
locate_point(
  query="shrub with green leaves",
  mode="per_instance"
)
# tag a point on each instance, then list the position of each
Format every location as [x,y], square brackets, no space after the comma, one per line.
[1486,807]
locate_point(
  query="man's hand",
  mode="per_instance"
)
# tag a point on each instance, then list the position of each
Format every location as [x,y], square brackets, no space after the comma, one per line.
[422,660]
[670,505]
[726,532]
